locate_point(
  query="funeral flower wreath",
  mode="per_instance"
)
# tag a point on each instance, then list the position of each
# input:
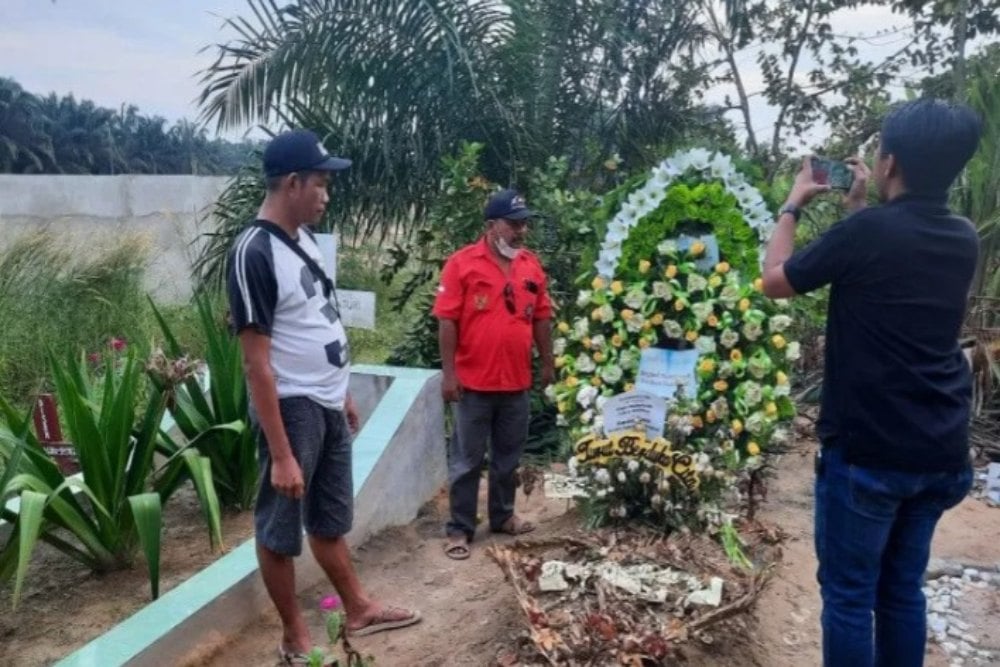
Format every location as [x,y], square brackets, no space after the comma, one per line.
[671,299]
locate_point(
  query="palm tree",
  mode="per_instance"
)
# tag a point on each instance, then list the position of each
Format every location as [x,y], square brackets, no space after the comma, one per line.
[24,145]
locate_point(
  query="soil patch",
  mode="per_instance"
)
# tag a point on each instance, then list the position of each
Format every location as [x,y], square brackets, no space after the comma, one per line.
[64,605]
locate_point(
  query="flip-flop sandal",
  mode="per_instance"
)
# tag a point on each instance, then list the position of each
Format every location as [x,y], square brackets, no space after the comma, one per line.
[297,658]
[515,527]
[384,622]
[457,550]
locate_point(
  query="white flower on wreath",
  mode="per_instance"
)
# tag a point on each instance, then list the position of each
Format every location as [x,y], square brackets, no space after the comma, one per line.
[572,466]
[628,360]
[550,392]
[561,420]
[705,344]
[581,327]
[586,416]
[702,310]
[635,298]
[622,477]
[559,346]
[632,465]
[752,393]
[645,477]
[667,247]
[600,403]
[756,423]
[662,290]
[725,370]
[585,397]
[585,364]
[598,342]
[611,373]
[752,330]
[781,390]
[673,329]
[793,351]
[780,323]
[720,407]
[634,324]
[583,298]
[729,295]
[602,476]
[729,338]
[780,436]
[696,282]
[606,313]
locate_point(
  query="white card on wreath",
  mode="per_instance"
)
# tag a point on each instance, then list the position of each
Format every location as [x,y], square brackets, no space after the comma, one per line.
[665,372]
[625,411]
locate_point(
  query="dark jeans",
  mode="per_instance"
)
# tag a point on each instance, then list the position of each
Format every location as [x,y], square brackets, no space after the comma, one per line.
[873,539]
[501,420]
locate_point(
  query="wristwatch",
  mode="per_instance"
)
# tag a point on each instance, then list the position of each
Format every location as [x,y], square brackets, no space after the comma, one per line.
[792,210]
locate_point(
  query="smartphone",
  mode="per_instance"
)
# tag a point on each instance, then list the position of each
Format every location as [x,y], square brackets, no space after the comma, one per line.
[834,173]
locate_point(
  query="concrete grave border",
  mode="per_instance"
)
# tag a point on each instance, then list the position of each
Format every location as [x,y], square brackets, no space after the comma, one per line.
[399,448]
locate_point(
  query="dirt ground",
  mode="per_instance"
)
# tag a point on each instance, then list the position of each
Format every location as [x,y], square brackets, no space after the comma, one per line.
[63,605]
[470,613]
[471,616]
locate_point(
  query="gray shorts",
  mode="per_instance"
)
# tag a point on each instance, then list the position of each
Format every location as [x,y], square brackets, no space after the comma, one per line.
[321,443]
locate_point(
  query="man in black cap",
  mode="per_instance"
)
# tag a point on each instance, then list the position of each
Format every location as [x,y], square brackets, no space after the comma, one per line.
[295,353]
[491,305]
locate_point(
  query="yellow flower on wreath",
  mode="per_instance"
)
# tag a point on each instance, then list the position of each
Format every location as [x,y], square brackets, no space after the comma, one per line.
[629,386]
[617,340]
[595,381]
[627,314]
[617,287]
[710,416]
[562,406]
[736,355]
[644,265]
[778,341]
[670,271]
[572,381]
[758,284]
[678,305]
[647,326]
[715,280]
[599,357]
[720,386]
[564,327]
[771,409]
[691,336]
[753,449]
[712,321]
[656,319]
[598,283]
[744,305]
[780,378]
[697,248]
[560,362]
[595,314]
[696,422]
[737,426]
[722,267]
[706,366]
[644,343]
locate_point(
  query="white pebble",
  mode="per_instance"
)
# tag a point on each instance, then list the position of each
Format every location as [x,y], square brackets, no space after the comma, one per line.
[959,623]
[981,584]
[950,647]
[955,632]
[969,638]
[970,572]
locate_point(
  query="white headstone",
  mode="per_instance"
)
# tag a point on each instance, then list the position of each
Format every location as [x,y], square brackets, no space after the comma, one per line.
[357,309]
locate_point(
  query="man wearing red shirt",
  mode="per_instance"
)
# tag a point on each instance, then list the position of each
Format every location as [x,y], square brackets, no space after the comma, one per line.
[491,306]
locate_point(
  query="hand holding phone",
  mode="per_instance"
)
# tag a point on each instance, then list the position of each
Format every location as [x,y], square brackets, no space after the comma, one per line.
[834,173]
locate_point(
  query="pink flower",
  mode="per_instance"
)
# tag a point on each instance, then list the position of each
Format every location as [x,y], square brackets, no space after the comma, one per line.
[94,358]
[118,344]
[329,603]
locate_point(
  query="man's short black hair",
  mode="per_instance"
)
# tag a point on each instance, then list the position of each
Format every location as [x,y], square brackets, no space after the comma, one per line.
[932,141]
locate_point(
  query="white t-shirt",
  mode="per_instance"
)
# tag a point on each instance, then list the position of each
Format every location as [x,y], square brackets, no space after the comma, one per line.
[272,290]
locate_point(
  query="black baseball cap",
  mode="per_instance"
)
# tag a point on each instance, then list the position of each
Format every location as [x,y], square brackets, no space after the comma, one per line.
[299,150]
[508,204]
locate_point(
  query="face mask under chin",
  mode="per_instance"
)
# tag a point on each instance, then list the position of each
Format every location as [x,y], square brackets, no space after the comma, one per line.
[506,249]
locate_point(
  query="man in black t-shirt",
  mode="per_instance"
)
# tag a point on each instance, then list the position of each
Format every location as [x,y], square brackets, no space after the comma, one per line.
[897,389]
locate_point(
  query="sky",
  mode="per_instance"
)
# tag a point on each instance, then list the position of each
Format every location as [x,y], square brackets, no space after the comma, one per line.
[148,53]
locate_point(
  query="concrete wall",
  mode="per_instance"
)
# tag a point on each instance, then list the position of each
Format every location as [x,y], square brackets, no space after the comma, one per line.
[88,210]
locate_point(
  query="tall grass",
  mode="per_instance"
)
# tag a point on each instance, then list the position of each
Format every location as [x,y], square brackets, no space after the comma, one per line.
[54,297]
